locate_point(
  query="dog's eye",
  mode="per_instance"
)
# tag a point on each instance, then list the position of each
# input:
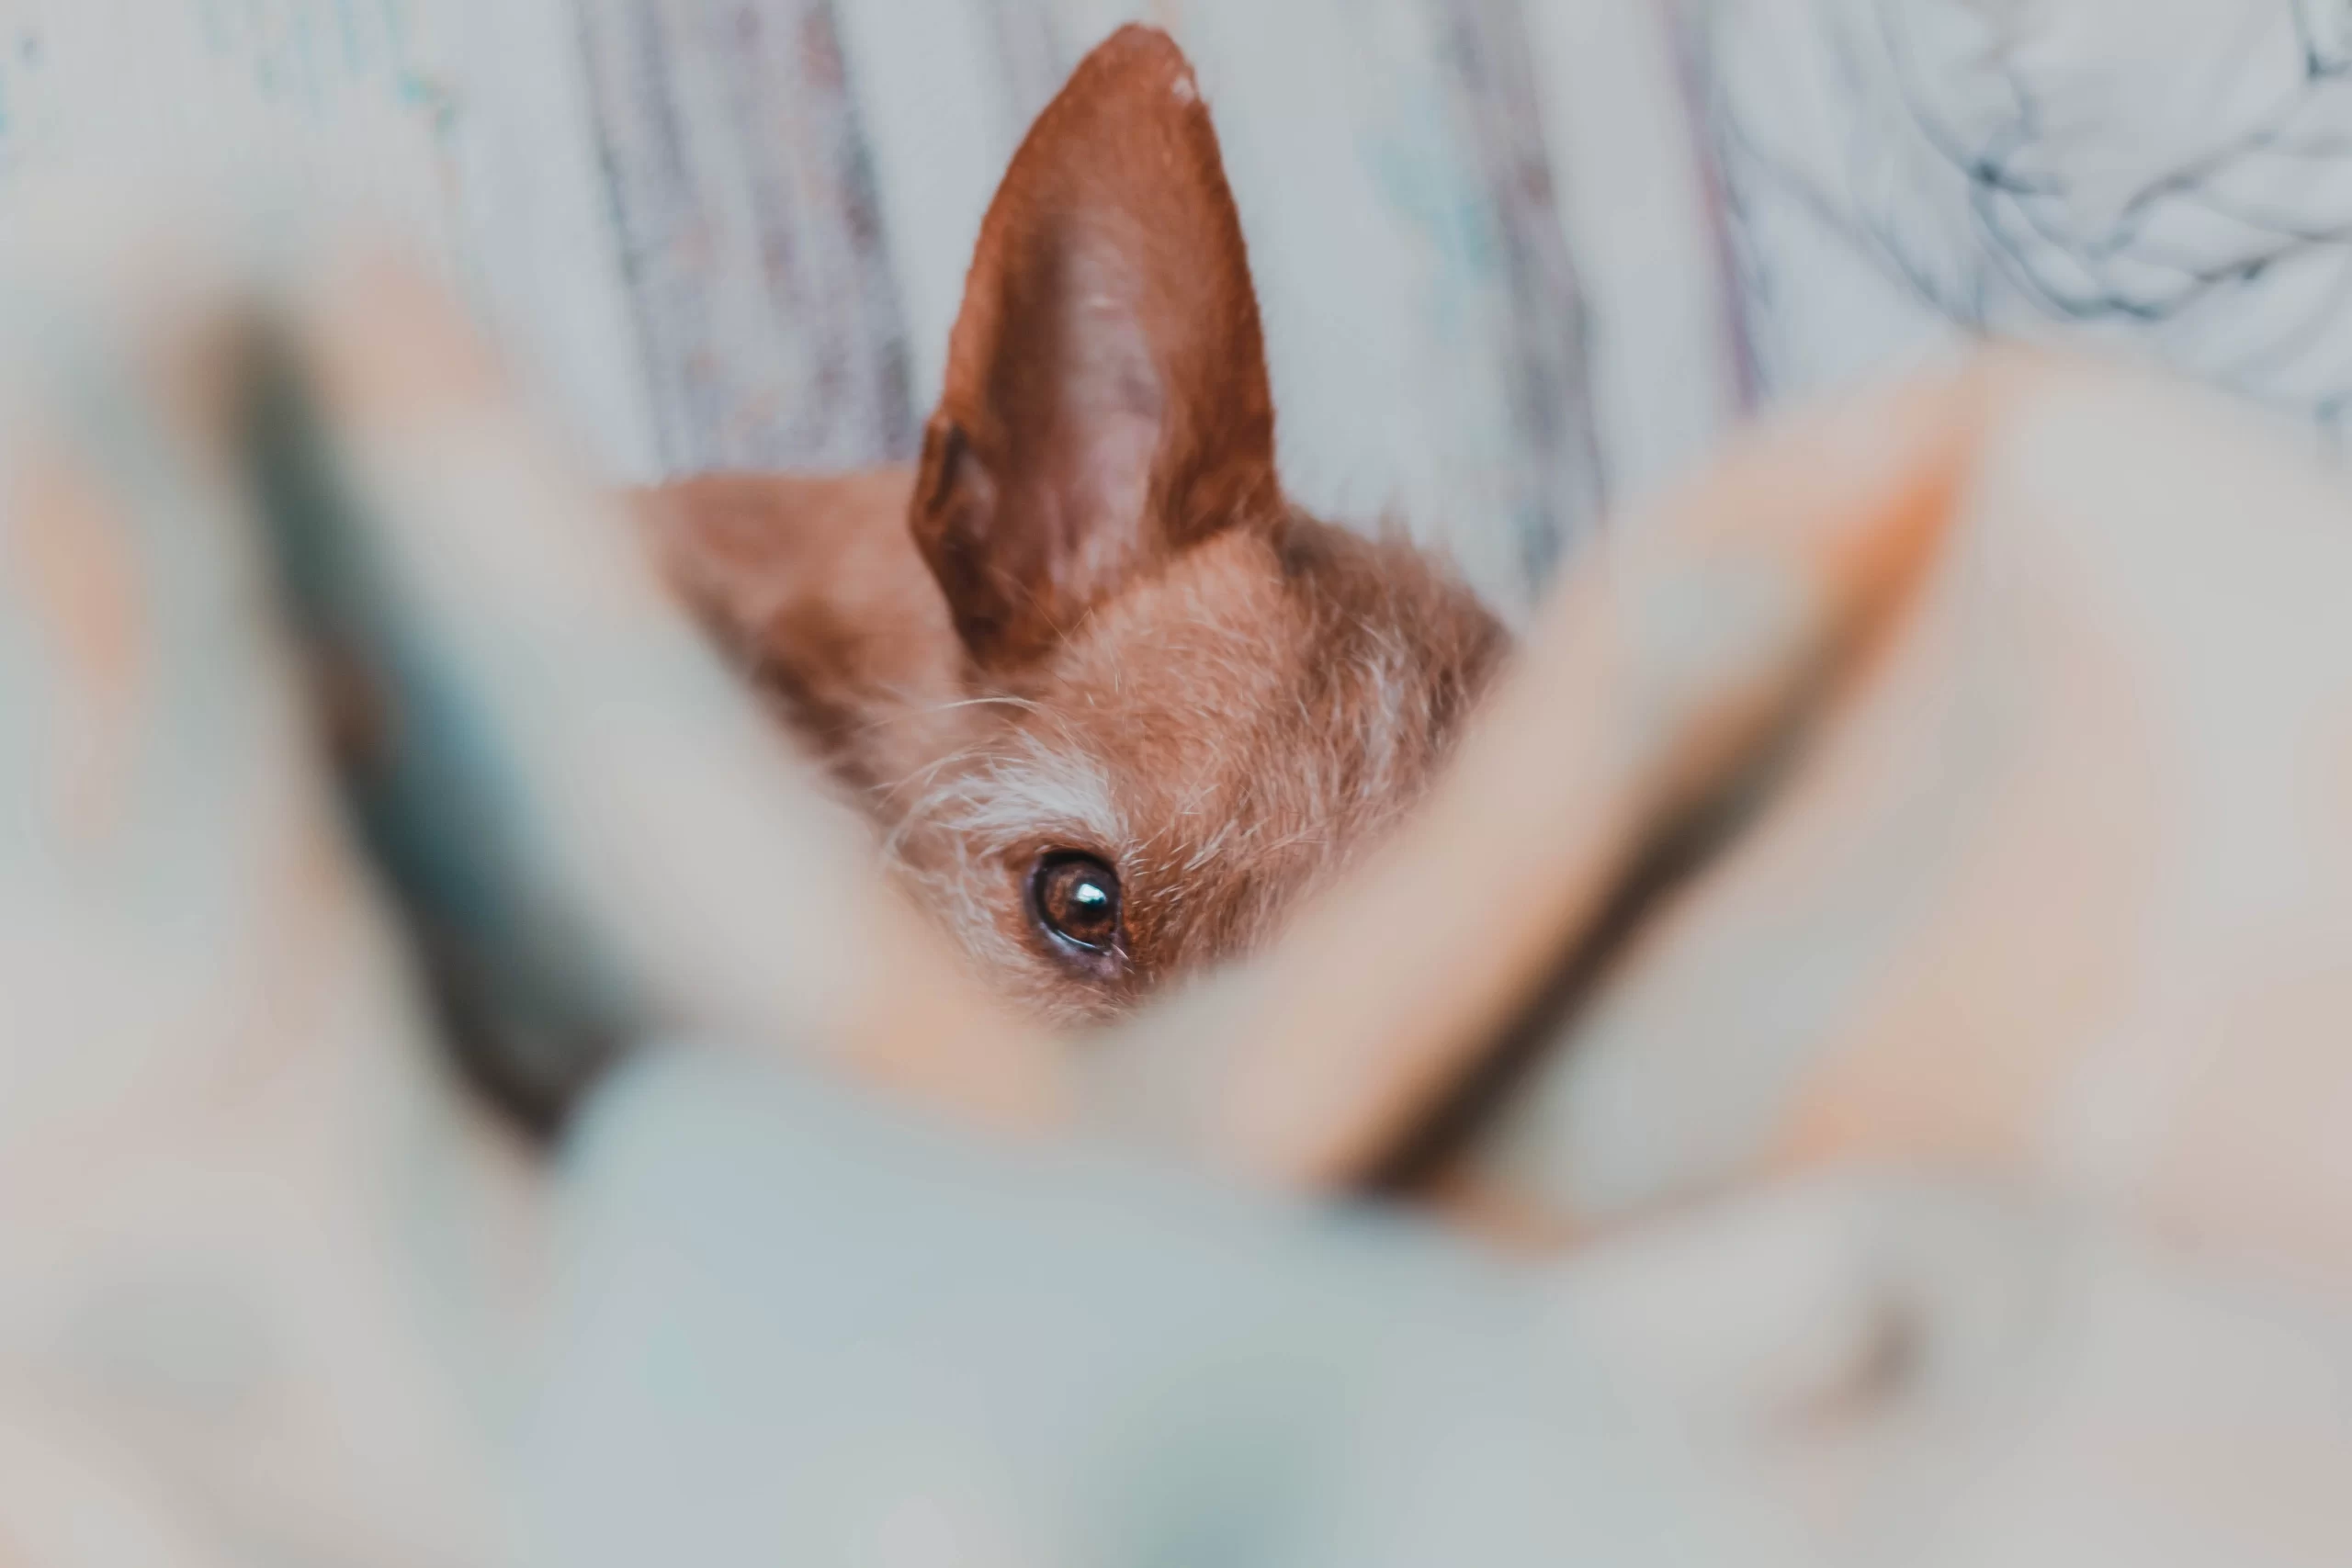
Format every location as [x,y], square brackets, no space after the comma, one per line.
[1075,898]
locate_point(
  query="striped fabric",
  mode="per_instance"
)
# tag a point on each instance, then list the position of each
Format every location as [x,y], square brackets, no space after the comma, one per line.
[798,186]
[1520,260]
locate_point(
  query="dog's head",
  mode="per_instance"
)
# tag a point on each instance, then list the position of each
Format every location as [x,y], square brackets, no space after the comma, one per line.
[1165,702]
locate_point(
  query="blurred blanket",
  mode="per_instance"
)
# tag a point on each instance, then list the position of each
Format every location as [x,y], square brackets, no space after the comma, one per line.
[1953,1163]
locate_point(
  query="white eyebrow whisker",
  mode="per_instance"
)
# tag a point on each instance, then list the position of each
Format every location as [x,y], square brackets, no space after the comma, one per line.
[912,712]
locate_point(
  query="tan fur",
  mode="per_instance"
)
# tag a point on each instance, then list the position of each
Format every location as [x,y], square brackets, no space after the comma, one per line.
[1090,620]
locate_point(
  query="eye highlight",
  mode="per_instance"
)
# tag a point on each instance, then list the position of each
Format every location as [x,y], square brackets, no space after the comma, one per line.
[1074,899]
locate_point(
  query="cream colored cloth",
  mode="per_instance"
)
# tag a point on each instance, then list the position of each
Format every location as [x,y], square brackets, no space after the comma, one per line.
[2063,884]
[273,1289]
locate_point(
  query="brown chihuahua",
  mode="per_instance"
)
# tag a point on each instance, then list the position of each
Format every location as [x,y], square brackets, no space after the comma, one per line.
[1112,702]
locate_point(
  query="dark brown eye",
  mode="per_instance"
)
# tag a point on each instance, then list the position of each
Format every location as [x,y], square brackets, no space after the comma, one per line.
[1075,900]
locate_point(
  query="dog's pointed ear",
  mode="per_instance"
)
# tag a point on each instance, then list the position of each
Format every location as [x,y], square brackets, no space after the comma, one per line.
[1106,401]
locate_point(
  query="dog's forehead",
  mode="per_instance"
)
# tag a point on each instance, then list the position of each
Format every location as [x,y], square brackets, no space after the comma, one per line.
[1198,652]
[1236,700]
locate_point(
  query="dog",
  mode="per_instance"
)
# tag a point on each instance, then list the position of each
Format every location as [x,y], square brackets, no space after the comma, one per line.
[1113,703]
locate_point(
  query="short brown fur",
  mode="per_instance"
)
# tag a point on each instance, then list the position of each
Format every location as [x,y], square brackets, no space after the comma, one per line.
[1090,620]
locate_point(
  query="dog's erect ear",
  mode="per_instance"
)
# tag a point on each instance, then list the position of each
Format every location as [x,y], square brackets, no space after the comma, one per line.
[1106,403]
